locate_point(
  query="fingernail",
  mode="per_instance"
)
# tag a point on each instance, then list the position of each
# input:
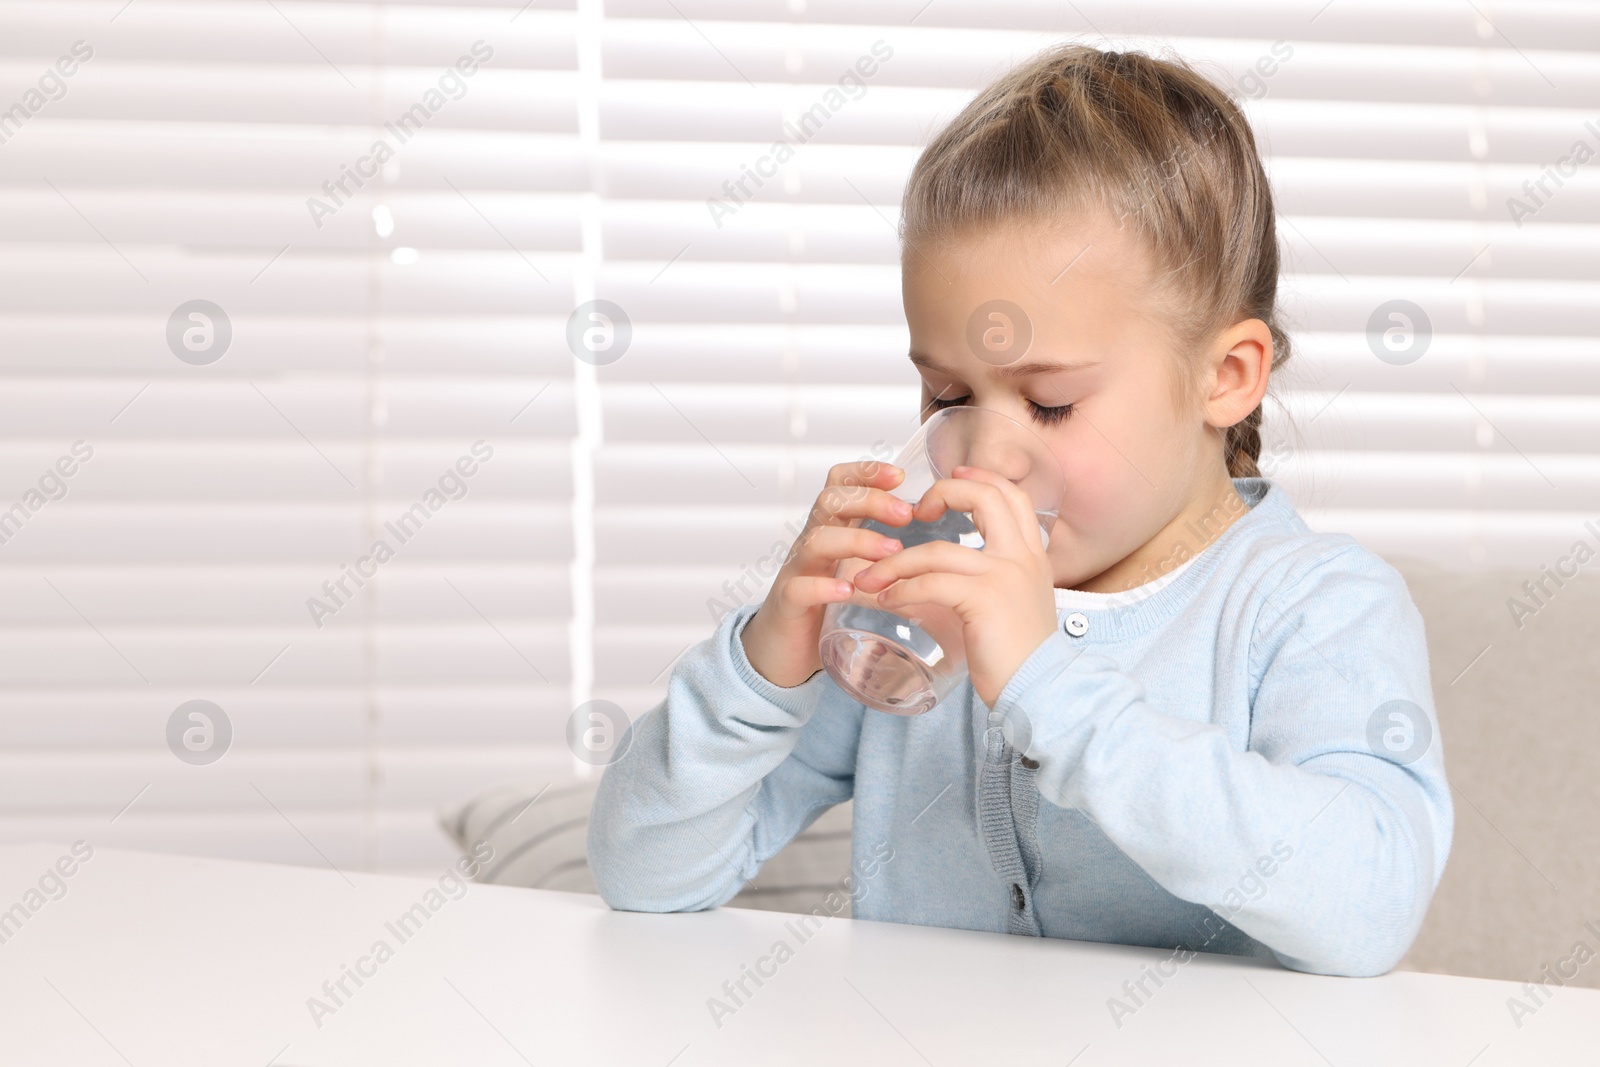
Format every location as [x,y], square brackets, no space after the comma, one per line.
[892,545]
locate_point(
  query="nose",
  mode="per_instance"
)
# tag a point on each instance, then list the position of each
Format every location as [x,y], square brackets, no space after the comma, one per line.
[994,441]
[1001,453]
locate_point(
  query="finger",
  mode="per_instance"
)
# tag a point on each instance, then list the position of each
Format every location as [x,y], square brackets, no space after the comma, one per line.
[1021,503]
[800,594]
[938,588]
[865,472]
[821,550]
[838,504]
[922,559]
[989,509]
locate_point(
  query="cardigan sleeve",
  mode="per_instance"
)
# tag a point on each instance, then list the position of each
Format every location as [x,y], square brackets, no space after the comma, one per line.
[1325,837]
[716,778]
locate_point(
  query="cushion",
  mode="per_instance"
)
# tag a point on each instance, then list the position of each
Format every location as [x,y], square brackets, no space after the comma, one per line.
[538,832]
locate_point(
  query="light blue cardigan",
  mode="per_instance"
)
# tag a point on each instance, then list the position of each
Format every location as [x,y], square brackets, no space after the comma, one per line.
[1246,761]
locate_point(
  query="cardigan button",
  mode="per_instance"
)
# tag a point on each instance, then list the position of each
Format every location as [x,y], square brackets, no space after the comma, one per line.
[1031,764]
[1077,624]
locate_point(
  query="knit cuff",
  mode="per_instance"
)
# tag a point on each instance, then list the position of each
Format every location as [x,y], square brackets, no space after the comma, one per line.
[1052,699]
[1054,654]
[799,700]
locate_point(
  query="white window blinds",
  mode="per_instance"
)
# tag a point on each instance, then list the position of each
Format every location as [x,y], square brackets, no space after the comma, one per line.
[285,282]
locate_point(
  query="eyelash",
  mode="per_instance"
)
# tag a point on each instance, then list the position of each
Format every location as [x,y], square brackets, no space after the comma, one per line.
[1047,416]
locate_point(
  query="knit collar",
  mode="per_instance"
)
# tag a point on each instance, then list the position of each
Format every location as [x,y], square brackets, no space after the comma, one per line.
[1268,505]
[1073,599]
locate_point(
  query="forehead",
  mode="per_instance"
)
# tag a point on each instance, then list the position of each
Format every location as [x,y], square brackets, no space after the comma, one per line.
[1075,291]
[1039,255]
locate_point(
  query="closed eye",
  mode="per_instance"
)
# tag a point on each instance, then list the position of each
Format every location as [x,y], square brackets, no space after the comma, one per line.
[1050,416]
[1042,414]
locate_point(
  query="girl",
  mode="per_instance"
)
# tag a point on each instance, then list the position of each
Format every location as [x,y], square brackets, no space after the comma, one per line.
[1192,722]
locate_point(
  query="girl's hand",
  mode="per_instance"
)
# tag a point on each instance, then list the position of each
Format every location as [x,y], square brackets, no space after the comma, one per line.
[1004,594]
[780,640]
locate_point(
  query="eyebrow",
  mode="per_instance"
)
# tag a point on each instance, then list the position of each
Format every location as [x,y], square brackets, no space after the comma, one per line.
[1017,370]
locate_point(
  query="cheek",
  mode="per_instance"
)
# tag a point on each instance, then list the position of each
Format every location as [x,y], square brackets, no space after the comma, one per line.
[1137,445]
[1088,460]
[1108,481]
[1091,486]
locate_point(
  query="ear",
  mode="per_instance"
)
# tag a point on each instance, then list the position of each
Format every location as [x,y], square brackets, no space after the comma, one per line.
[1241,361]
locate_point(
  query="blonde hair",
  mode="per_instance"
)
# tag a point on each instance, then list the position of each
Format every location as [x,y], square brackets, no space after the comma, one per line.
[1152,140]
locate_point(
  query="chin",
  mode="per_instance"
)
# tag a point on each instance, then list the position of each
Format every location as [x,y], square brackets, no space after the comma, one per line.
[1074,577]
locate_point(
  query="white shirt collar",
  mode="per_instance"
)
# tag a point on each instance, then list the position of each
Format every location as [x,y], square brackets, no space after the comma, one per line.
[1078,599]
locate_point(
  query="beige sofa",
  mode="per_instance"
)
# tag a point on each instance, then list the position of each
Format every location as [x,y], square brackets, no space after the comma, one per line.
[1521,732]
[1520,725]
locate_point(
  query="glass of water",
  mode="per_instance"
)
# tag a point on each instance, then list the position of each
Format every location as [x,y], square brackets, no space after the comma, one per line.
[906,662]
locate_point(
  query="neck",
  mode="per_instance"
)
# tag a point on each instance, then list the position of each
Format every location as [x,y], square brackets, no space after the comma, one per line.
[1210,511]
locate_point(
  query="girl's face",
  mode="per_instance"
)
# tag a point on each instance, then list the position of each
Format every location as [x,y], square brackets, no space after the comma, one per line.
[1137,471]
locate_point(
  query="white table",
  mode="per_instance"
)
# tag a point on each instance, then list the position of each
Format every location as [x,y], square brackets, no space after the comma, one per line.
[164,960]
